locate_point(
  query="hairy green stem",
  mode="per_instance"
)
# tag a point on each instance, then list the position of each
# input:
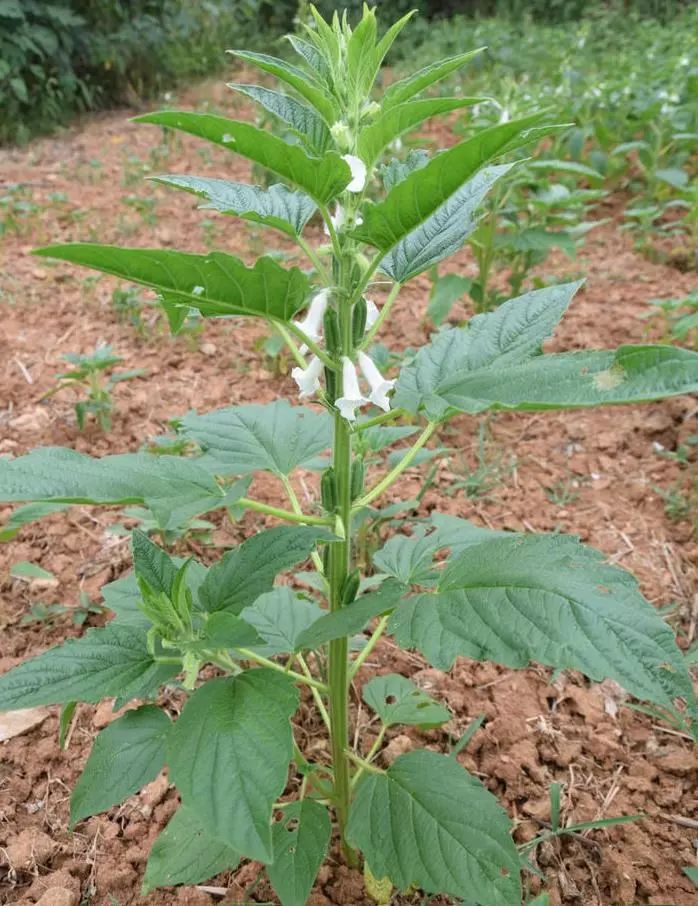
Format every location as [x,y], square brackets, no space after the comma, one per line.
[298,510]
[290,342]
[290,516]
[384,312]
[311,344]
[265,662]
[395,473]
[368,647]
[379,419]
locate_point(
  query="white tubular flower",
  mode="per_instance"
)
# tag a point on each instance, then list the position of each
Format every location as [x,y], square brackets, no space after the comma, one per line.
[337,220]
[352,399]
[371,313]
[379,385]
[358,172]
[311,325]
[308,378]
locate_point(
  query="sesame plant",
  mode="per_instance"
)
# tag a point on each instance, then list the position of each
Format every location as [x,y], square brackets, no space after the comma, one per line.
[239,649]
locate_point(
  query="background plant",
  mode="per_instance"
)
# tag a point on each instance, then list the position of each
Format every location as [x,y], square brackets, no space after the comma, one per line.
[423,822]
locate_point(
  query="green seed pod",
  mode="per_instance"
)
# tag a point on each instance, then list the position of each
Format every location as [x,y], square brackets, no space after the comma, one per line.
[328,490]
[350,588]
[358,322]
[331,384]
[332,338]
[357,478]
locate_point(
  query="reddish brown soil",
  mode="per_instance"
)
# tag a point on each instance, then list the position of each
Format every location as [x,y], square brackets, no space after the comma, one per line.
[612,761]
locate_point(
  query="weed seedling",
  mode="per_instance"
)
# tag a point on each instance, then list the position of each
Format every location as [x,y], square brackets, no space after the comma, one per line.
[242,648]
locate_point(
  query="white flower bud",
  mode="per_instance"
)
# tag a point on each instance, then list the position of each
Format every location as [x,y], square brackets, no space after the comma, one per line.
[342,135]
[378,384]
[372,313]
[311,325]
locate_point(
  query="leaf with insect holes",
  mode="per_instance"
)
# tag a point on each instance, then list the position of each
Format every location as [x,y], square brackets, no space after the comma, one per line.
[396,700]
[445,231]
[301,81]
[113,661]
[392,123]
[301,120]
[275,437]
[427,823]
[280,616]
[352,619]
[414,84]
[323,178]
[229,755]
[300,841]
[125,756]
[184,853]
[217,284]
[417,197]
[276,207]
[545,598]
[247,571]
[511,334]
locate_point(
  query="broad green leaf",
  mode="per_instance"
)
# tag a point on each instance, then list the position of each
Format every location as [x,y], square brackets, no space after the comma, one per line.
[393,122]
[275,437]
[185,853]
[23,569]
[445,231]
[225,630]
[630,374]
[247,571]
[395,171]
[280,616]
[174,488]
[300,842]
[691,873]
[312,58]
[396,700]
[323,178]
[229,755]
[113,661]
[352,619]
[512,333]
[23,515]
[302,120]
[549,599]
[152,564]
[296,78]
[407,88]
[276,207]
[409,558]
[445,292]
[416,198]
[123,596]
[379,437]
[126,755]
[458,534]
[427,823]
[216,284]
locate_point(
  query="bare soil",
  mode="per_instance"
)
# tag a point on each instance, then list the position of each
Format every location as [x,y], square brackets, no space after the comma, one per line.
[594,474]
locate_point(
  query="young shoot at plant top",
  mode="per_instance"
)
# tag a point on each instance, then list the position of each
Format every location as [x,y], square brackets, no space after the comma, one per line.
[248,790]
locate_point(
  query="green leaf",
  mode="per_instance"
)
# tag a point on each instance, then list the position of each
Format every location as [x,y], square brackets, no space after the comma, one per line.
[426,822]
[152,564]
[445,231]
[23,515]
[630,374]
[303,121]
[396,700]
[229,756]
[352,619]
[280,616]
[113,661]
[184,853]
[546,598]
[275,437]
[300,841]
[511,334]
[247,571]
[123,596]
[407,88]
[323,178]
[409,558]
[174,488]
[276,207]
[125,756]
[691,873]
[225,630]
[301,81]
[445,292]
[216,284]
[393,122]
[23,569]
[416,198]
[395,171]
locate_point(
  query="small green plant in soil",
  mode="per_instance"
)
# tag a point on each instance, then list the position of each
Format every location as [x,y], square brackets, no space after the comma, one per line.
[678,319]
[93,375]
[242,650]
[51,613]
